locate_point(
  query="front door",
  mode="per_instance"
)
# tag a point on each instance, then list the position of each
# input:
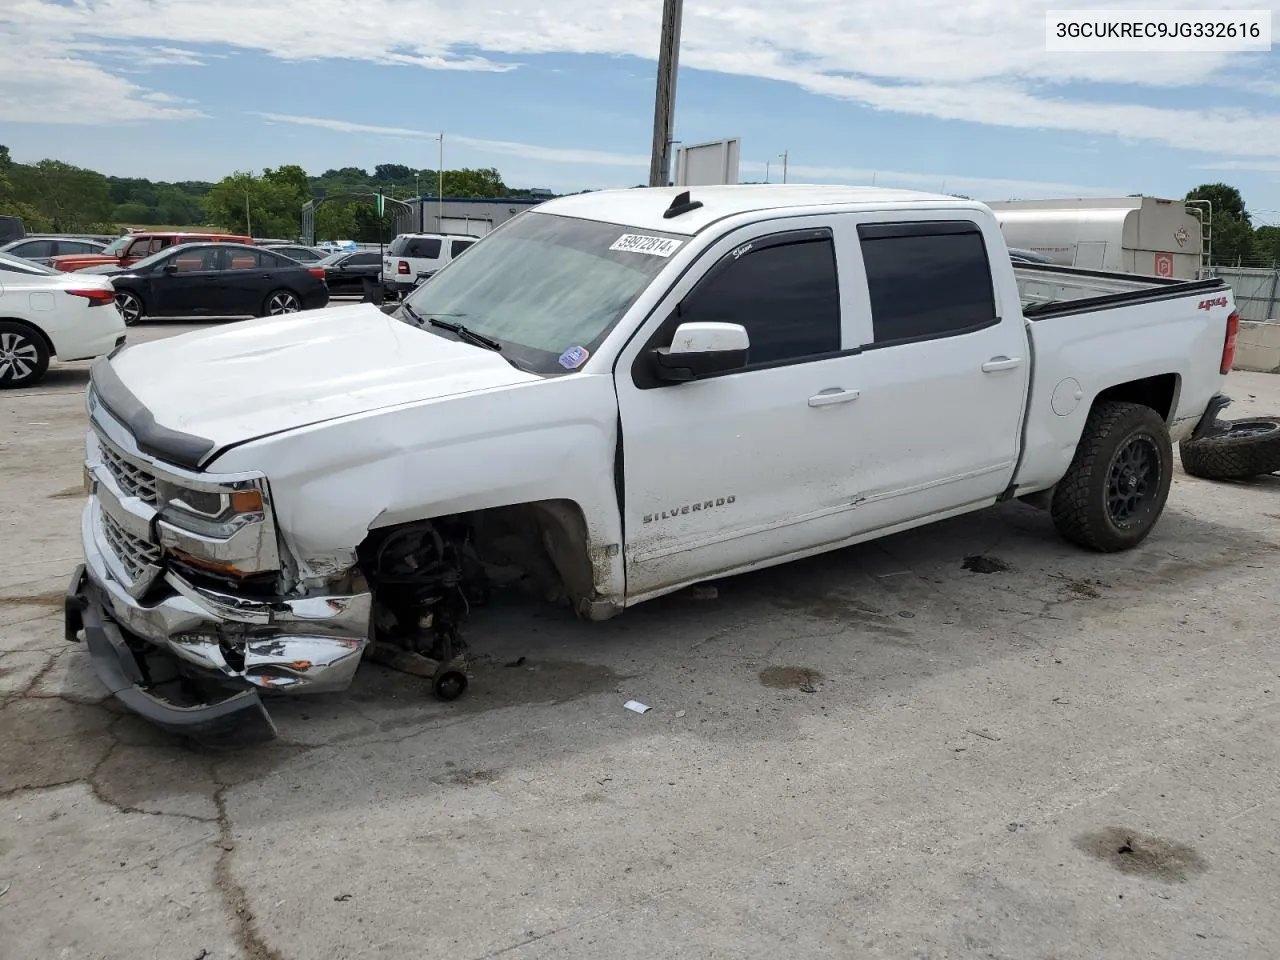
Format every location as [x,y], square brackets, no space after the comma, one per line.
[749,465]
[192,288]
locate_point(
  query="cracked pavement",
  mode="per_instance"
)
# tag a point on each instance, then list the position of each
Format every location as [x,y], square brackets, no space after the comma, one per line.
[878,753]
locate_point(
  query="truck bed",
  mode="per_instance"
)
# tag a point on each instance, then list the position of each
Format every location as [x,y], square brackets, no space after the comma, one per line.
[1049,290]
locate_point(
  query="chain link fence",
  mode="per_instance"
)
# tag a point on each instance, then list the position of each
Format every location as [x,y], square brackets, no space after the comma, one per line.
[1255,290]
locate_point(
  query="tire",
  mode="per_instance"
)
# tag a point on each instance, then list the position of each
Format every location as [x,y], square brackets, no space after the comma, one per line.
[24,356]
[1248,448]
[130,306]
[1116,486]
[281,302]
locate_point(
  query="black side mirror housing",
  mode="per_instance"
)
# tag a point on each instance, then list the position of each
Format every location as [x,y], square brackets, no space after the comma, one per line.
[170,268]
[684,367]
[700,350]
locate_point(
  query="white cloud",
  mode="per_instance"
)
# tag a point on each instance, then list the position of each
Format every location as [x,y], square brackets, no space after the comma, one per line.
[983,187]
[527,151]
[39,84]
[987,187]
[980,61]
[1260,166]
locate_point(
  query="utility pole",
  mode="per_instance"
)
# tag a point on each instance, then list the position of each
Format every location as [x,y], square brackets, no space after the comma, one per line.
[766,170]
[664,104]
[440,186]
[248,224]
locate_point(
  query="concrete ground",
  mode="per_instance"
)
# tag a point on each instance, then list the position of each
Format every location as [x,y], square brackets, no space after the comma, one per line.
[892,751]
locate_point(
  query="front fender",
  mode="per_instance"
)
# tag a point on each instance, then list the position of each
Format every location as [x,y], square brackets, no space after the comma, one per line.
[551,439]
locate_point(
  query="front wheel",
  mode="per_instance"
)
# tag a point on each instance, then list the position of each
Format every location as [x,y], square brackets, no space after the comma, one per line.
[24,356]
[130,306]
[1116,486]
[280,303]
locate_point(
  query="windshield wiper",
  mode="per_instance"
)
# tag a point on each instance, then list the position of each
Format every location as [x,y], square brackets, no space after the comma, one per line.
[461,332]
[464,334]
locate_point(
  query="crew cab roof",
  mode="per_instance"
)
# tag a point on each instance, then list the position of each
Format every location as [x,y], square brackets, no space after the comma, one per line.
[644,207]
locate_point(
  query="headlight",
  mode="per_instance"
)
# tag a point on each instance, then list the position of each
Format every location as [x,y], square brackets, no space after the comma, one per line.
[213,513]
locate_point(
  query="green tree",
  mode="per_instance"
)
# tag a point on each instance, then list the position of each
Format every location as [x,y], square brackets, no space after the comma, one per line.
[392,173]
[1231,231]
[467,183]
[70,198]
[292,178]
[1266,243]
[134,214]
[174,206]
[10,203]
[335,220]
[265,206]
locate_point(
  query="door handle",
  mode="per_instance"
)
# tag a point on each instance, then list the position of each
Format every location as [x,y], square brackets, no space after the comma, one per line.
[833,395]
[1001,363]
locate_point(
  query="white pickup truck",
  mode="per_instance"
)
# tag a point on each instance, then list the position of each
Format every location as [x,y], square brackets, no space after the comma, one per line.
[615,395]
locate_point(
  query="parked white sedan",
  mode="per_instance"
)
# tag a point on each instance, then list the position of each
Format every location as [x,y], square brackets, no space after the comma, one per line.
[45,313]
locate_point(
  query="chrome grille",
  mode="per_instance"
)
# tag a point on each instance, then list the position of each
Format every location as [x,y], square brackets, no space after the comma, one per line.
[133,480]
[136,556]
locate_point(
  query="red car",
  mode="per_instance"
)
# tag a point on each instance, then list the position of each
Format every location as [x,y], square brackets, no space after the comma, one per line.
[133,247]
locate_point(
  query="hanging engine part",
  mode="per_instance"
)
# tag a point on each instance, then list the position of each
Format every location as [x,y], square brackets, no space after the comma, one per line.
[425,577]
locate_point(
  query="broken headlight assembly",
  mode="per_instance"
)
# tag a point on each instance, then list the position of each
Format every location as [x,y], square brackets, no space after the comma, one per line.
[214,513]
[221,528]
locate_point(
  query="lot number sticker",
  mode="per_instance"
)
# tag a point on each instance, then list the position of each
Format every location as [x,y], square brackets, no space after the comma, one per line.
[653,246]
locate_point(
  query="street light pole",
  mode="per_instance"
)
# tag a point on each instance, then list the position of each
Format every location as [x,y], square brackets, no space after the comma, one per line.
[440,187]
[664,104]
[766,170]
[783,155]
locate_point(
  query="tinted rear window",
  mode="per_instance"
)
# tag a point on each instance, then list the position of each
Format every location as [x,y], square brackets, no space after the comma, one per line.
[426,248]
[926,279]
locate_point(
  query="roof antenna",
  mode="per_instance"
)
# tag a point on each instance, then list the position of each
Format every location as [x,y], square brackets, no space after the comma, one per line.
[681,204]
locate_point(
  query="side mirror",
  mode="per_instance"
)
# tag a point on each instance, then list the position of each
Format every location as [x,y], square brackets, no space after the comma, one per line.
[171,268]
[701,349]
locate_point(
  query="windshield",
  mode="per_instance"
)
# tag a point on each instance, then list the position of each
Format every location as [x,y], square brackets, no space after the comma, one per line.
[116,247]
[544,286]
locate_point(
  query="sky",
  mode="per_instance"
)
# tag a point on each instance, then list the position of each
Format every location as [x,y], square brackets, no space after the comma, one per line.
[958,96]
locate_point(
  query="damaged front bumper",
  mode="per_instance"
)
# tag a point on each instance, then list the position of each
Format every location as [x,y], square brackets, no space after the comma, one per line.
[220,650]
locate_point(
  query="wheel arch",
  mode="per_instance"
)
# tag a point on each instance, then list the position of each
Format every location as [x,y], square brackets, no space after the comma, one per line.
[1159,392]
[556,529]
[34,328]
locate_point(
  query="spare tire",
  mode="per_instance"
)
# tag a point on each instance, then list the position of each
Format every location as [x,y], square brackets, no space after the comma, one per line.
[1242,449]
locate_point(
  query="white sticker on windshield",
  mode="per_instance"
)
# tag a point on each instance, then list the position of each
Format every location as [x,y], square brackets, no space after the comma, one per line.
[653,246]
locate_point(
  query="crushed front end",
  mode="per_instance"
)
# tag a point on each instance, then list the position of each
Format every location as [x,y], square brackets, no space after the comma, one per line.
[187,600]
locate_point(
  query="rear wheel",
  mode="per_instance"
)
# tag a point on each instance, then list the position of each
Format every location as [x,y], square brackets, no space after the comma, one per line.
[24,356]
[1116,486]
[280,303]
[130,306]
[1244,449]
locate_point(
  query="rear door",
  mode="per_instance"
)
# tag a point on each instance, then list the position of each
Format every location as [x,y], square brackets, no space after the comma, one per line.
[246,279]
[457,247]
[942,375]
[424,255]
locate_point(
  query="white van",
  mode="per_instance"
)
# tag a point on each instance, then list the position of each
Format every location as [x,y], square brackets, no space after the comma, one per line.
[413,257]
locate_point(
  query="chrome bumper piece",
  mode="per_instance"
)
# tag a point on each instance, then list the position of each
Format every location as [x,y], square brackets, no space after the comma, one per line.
[303,645]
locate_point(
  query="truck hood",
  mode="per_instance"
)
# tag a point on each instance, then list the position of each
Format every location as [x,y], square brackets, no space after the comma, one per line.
[245,380]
